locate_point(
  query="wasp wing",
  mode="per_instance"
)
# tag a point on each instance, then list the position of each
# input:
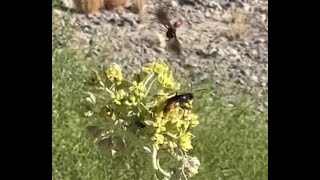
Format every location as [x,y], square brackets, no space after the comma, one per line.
[162,16]
[173,45]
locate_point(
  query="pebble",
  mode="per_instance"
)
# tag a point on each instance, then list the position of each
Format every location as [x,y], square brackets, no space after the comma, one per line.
[254,78]
[246,7]
[174,3]
[254,52]
[233,51]
[207,14]
[263,17]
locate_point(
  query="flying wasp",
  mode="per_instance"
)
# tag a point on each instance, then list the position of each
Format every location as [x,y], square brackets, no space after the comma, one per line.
[172,45]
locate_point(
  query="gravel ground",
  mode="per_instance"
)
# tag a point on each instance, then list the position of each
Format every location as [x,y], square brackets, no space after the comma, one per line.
[226,39]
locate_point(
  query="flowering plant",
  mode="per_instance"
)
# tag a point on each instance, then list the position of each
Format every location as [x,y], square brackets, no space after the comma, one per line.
[135,106]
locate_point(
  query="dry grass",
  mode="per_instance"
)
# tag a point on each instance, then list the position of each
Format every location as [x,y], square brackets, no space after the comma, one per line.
[138,7]
[239,26]
[88,6]
[113,4]
[94,6]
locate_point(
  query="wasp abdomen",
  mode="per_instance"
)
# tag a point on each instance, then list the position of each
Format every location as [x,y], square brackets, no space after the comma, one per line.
[177,99]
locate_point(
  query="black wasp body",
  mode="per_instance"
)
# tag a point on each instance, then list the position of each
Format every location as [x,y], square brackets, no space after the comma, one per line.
[181,99]
[171,32]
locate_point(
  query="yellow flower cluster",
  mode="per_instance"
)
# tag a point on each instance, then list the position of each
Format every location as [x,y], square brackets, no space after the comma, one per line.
[114,74]
[165,76]
[168,130]
[175,127]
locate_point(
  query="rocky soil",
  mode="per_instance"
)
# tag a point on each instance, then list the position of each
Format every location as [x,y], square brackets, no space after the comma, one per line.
[226,40]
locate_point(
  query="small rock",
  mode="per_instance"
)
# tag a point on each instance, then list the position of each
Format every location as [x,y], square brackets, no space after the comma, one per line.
[254,78]
[56,12]
[244,44]
[265,104]
[216,15]
[254,52]
[244,72]
[213,52]
[240,81]
[216,5]
[232,51]
[259,40]
[246,7]
[234,66]
[146,49]
[207,14]
[96,21]
[68,4]
[260,9]
[159,50]
[230,105]
[187,2]
[221,52]
[130,19]
[263,17]
[201,53]
[174,3]
[226,17]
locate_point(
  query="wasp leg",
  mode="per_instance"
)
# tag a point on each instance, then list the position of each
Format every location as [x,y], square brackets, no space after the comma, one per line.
[184,112]
[184,109]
